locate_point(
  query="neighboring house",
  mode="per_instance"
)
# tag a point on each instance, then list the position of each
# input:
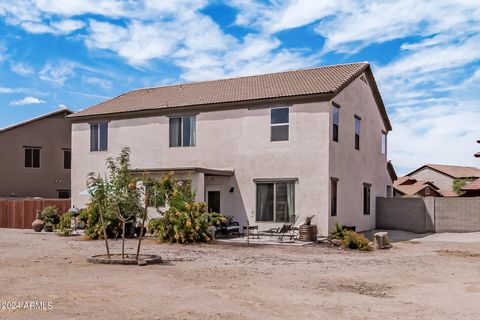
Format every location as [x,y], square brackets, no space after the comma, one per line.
[264,148]
[36,157]
[472,189]
[409,187]
[443,176]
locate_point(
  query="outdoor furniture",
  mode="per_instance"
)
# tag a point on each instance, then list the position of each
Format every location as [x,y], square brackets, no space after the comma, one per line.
[227,228]
[252,231]
[287,231]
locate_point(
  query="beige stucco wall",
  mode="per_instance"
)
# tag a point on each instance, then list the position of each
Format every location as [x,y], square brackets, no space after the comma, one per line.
[237,140]
[354,167]
[444,182]
[51,134]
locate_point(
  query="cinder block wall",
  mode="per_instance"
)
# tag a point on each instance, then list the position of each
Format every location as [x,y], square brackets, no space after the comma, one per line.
[429,214]
[401,213]
[457,214]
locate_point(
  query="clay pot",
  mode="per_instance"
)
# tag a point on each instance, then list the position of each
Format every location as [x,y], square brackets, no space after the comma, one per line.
[48,227]
[307,232]
[37,224]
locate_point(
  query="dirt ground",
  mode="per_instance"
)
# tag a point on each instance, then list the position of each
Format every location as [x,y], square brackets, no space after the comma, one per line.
[422,277]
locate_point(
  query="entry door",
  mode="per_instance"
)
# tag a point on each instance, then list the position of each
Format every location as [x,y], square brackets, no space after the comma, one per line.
[214,201]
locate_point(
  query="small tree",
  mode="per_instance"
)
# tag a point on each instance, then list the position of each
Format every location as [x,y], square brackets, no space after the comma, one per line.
[115,196]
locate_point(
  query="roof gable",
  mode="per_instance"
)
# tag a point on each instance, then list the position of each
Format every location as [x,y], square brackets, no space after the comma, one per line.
[44,116]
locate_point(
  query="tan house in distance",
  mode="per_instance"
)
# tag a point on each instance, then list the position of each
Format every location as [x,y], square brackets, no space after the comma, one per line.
[264,148]
[443,176]
[36,157]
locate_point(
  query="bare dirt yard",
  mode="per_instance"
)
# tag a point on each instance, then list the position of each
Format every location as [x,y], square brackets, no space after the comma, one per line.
[421,277]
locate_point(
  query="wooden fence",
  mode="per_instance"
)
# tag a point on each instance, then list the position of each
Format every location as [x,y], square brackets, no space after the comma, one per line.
[20,213]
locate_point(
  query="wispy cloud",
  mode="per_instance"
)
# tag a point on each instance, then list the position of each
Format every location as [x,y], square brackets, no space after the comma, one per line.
[57,73]
[22,69]
[26,101]
[103,83]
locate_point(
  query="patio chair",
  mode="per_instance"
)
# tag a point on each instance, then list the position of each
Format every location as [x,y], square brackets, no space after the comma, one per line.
[229,227]
[287,231]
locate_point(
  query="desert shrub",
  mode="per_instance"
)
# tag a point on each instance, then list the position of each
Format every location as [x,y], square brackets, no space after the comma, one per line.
[338,232]
[353,240]
[50,215]
[185,220]
[64,226]
[93,226]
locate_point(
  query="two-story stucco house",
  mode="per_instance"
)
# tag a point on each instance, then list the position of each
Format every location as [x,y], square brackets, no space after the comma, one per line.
[35,157]
[263,148]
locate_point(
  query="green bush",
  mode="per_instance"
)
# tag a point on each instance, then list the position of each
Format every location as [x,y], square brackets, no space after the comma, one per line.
[185,221]
[338,232]
[93,226]
[50,215]
[64,226]
[353,240]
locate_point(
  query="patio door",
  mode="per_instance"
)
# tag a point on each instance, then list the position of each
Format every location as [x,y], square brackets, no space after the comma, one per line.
[213,201]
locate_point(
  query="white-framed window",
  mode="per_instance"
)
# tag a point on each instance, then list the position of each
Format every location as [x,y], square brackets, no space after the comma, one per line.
[99,136]
[427,191]
[279,124]
[182,131]
[384,142]
[335,121]
[275,201]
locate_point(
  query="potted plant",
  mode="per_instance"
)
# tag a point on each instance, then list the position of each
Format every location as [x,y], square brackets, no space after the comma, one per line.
[50,218]
[308,231]
[37,224]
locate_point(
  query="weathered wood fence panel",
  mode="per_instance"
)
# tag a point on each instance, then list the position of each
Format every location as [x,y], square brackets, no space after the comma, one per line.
[20,213]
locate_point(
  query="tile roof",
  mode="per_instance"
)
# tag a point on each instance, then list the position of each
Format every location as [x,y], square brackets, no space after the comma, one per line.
[456,172]
[321,80]
[412,189]
[475,185]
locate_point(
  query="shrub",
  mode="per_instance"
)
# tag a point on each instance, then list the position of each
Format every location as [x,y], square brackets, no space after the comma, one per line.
[50,215]
[64,226]
[186,220]
[338,232]
[93,226]
[353,240]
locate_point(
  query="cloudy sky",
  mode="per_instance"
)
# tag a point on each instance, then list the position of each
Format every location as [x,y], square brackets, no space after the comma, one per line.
[425,56]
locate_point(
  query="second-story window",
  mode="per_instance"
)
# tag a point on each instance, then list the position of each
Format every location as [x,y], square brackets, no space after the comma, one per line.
[182,131]
[99,136]
[67,159]
[279,123]
[357,132]
[384,142]
[32,157]
[336,121]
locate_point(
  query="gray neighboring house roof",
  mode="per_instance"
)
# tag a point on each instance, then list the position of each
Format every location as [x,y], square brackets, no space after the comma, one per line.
[43,116]
[328,81]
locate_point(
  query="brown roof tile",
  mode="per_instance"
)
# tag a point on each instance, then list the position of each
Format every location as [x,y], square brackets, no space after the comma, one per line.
[322,80]
[456,172]
[475,185]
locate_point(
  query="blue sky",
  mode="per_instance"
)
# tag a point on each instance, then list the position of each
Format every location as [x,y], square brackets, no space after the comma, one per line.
[425,56]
